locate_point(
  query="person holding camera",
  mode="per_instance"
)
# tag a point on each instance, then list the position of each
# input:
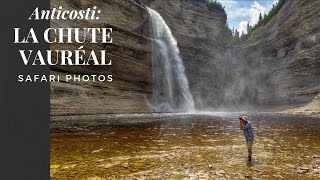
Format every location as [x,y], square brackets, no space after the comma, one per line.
[246,126]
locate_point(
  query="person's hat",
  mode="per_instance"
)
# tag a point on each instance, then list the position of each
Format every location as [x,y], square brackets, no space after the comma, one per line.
[245,118]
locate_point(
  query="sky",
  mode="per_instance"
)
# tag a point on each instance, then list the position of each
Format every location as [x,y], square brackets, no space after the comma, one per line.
[240,12]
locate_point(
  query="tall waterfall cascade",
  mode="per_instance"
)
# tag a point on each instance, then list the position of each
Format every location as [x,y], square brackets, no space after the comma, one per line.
[171,92]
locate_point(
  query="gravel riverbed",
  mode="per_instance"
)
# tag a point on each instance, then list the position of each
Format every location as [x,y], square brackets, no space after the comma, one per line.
[184,146]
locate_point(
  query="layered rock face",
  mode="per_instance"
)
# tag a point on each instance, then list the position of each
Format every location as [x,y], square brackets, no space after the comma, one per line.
[280,62]
[130,55]
[200,34]
[278,66]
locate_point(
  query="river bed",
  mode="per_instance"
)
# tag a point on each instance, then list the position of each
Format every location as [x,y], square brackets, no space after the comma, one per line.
[184,146]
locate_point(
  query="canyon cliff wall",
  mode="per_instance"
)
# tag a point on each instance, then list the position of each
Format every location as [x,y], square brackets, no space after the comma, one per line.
[280,61]
[130,55]
[278,66]
[275,69]
[200,36]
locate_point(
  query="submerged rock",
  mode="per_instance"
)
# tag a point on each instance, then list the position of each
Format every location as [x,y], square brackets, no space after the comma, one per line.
[316,157]
[302,170]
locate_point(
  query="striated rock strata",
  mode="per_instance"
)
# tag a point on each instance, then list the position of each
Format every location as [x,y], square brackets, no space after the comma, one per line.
[281,60]
[275,69]
[130,55]
[200,34]
[278,66]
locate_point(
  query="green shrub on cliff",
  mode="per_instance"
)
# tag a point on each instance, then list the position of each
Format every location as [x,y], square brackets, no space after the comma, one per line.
[267,17]
[229,34]
[263,20]
[212,5]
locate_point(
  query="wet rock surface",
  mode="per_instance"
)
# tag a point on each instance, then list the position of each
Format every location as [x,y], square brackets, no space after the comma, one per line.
[185,146]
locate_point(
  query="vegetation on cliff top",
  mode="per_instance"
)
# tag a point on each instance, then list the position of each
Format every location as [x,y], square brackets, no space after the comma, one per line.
[234,35]
[212,5]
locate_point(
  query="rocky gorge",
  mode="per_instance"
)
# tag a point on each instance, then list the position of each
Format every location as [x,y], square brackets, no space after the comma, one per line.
[277,68]
[282,57]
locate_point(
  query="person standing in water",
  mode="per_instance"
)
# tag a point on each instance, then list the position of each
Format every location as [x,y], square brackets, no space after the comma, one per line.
[246,126]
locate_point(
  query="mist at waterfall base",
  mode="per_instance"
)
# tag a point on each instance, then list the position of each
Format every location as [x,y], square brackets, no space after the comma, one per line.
[229,82]
[170,92]
[234,87]
[234,80]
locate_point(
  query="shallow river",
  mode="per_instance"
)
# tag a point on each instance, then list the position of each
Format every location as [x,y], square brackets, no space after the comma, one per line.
[185,146]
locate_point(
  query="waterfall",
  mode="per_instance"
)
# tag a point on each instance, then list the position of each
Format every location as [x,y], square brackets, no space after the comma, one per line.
[171,92]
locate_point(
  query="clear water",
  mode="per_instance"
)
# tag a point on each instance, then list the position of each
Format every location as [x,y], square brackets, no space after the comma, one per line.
[186,146]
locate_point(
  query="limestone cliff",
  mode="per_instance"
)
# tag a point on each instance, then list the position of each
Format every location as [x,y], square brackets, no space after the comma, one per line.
[199,33]
[275,69]
[130,55]
[281,60]
[277,66]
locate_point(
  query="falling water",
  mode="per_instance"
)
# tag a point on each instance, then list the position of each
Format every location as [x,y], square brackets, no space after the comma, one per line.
[171,91]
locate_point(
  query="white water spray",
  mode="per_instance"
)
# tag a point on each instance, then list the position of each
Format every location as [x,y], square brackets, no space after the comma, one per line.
[171,92]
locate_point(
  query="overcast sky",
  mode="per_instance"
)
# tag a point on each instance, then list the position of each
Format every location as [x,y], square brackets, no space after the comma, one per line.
[240,12]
